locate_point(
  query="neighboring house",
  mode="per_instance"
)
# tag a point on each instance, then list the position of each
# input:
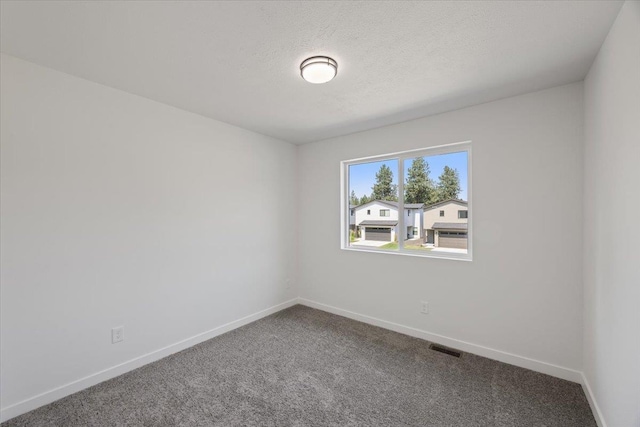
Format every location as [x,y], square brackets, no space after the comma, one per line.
[445,224]
[352,217]
[378,220]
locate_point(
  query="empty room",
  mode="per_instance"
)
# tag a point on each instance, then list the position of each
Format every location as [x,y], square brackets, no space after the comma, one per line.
[331,213]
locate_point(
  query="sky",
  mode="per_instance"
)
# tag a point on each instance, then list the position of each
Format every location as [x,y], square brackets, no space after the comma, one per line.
[363,176]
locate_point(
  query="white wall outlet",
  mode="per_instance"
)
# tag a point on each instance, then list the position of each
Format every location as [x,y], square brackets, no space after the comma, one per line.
[117,334]
[424,307]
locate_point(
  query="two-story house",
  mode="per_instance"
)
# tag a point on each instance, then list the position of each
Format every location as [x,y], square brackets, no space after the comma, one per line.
[352,216]
[378,220]
[446,224]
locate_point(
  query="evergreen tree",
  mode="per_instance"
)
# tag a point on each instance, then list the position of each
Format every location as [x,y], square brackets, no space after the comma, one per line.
[384,189]
[354,199]
[448,185]
[419,188]
[364,199]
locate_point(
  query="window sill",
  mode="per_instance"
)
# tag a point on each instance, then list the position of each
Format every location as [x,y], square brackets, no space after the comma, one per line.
[447,256]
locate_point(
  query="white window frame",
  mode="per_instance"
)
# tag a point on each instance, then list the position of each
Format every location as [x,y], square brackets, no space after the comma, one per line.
[401,157]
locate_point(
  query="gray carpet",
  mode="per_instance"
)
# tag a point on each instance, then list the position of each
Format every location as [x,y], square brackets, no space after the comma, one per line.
[304,367]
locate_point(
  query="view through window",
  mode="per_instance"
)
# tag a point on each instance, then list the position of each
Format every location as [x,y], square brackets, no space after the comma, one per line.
[430,186]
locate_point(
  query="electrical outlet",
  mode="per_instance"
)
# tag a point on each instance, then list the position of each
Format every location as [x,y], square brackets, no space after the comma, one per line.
[117,334]
[424,307]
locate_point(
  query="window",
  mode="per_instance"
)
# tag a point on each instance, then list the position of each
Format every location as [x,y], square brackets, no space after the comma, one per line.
[452,233]
[353,212]
[425,183]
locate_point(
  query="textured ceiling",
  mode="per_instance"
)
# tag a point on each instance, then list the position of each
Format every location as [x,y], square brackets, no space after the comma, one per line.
[238,61]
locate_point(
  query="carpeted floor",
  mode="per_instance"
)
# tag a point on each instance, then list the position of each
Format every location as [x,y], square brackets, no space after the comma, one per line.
[304,367]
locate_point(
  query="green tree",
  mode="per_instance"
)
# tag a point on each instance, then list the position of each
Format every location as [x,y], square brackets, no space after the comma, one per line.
[354,199]
[384,188]
[448,185]
[419,188]
[364,199]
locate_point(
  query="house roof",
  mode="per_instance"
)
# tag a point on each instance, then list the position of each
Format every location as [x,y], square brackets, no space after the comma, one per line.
[394,204]
[413,205]
[445,202]
[381,222]
[449,226]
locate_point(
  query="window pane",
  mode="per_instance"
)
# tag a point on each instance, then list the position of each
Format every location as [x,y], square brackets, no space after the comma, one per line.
[373,196]
[435,188]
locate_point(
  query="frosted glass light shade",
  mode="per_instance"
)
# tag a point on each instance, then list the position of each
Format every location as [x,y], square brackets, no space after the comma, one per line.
[318,69]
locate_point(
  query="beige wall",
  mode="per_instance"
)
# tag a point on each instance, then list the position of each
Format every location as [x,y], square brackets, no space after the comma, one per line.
[450,214]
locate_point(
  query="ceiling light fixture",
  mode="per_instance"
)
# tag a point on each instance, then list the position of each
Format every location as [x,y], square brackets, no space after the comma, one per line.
[318,69]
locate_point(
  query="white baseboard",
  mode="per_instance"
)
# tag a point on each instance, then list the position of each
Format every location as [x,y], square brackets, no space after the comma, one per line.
[502,356]
[112,372]
[88,381]
[597,414]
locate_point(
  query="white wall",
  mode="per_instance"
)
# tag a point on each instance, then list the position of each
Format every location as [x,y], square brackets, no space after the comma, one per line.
[117,210]
[524,299]
[361,213]
[415,220]
[611,226]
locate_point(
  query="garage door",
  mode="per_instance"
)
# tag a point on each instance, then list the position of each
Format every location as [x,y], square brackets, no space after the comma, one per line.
[452,239]
[378,234]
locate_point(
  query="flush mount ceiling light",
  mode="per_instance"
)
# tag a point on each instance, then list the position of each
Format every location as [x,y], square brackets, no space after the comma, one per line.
[318,69]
